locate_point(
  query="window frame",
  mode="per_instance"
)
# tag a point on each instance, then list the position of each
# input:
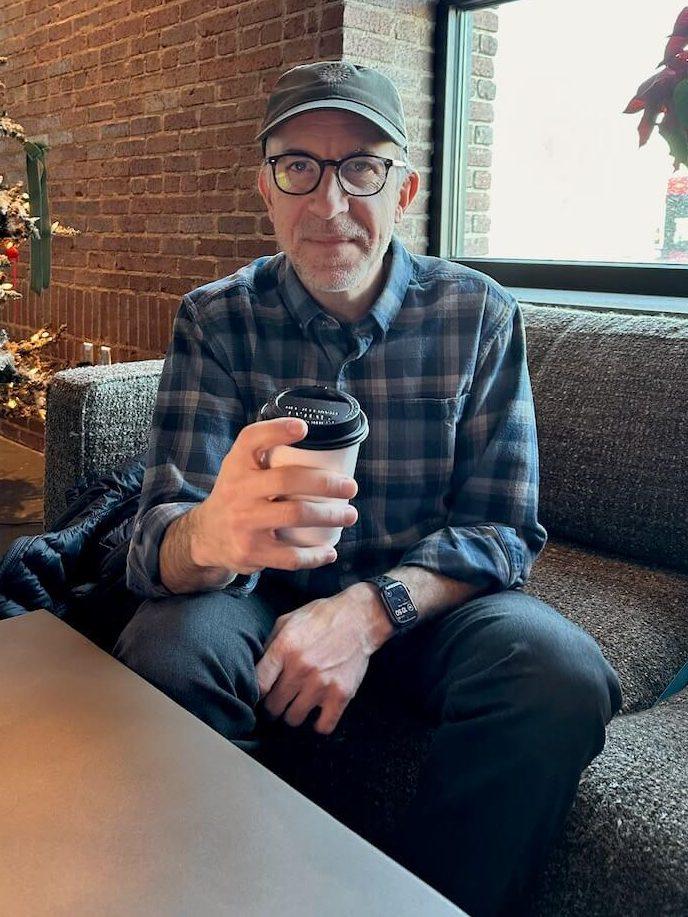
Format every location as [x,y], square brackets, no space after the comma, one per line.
[453,42]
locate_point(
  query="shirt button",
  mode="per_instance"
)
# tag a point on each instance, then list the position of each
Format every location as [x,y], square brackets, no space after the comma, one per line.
[346,566]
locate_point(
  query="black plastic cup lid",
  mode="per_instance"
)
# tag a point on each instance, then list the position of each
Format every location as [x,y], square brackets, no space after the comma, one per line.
[335,419]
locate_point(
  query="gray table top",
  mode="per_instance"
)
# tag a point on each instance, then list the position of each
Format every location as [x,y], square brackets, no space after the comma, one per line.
[115,800]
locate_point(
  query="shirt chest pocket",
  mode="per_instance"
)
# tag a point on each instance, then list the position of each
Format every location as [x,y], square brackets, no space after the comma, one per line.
[410,451]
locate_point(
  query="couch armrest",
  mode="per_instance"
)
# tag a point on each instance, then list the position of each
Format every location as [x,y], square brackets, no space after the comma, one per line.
[96,417]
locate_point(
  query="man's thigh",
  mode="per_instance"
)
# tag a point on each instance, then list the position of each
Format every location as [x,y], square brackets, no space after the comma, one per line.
[480,651]
[201,649]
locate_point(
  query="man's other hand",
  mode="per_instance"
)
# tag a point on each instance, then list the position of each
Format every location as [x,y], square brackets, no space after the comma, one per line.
[317,655]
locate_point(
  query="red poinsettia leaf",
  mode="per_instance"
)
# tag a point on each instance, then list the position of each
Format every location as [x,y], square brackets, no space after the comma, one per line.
[636,104]
[674,46]
[660,89]
[651,81]
[645,127]
[681,24]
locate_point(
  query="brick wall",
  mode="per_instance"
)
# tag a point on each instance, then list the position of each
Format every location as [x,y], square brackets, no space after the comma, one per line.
[150,109]
[480,134]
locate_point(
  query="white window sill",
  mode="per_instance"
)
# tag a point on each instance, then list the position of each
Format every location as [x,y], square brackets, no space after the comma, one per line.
[620,302]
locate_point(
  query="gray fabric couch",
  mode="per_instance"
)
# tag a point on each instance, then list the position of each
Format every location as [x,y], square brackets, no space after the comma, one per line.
[610,393]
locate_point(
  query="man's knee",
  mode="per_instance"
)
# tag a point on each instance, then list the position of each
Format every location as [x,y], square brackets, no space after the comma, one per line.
[546,670]
[177,642]
[567,688]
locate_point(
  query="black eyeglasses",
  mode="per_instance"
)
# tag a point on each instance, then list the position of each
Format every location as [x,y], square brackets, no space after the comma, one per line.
[361,175]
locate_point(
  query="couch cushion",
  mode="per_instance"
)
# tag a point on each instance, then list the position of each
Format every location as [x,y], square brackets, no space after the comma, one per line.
[625,847]
[637,614]
[610,395]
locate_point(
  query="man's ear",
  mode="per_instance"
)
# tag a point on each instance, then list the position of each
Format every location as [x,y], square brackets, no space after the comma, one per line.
[407,192]
[265,188]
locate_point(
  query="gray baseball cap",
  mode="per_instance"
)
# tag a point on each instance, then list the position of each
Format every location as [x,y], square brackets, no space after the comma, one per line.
[340,85]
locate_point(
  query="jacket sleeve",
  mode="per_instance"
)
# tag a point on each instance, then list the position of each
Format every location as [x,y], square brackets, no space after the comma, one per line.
[492,535]
[197,417]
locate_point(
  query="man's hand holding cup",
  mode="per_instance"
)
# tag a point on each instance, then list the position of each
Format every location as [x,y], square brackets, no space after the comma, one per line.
[275,504]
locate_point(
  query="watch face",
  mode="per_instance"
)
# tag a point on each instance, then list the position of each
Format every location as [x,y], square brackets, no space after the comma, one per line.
[399,603]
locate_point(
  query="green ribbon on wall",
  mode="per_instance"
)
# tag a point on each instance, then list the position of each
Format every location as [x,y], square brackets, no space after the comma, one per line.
[37,176]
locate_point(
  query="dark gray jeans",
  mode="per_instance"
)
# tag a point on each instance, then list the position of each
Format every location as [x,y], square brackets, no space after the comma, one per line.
[520,696]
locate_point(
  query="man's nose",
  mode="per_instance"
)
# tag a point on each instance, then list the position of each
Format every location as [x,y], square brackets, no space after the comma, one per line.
[328,199]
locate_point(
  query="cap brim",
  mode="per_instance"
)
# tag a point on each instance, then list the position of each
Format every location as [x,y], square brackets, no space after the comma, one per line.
[342,105]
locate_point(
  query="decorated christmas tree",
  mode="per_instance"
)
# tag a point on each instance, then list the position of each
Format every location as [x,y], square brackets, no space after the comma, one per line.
[24,217]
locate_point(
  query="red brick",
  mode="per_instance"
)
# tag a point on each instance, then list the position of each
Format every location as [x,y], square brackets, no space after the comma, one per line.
[239,87]
[196,95]
[166,14]
[259,11]
[260,60]
[162,143]
[178,35]
[224,21]
[330,46]
[298,49]
[221,114]
[180,121]
[237,225]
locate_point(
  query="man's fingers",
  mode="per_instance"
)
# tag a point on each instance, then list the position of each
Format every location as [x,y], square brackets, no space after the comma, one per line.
[296,558]
[291,480]
[278,555]
[280,695]
[300,707]
[288,513]
[268,671]
[255,439]
[330,715]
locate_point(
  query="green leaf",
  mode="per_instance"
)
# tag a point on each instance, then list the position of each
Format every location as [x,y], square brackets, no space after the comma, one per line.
[678,143]
[681,102]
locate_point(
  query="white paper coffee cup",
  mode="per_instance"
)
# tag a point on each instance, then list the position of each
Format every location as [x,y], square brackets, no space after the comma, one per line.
[336,428]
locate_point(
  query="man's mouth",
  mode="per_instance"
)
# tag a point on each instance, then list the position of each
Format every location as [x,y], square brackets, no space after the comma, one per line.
[330,240]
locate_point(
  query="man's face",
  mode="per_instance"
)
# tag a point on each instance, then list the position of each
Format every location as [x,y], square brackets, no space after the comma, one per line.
[335,241]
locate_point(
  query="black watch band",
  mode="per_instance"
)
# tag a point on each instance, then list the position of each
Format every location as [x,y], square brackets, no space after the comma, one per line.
[397,600]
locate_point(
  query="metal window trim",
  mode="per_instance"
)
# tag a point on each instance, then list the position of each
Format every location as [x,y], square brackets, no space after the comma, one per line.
[453,36]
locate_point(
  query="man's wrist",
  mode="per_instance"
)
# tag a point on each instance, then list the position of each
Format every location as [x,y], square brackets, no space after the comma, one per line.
[183,567]
[197,549]
[376,624]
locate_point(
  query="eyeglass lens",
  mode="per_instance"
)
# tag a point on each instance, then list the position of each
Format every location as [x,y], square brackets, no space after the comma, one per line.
[358,175]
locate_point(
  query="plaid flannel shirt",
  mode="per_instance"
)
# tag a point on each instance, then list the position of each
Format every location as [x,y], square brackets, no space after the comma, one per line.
[448,477]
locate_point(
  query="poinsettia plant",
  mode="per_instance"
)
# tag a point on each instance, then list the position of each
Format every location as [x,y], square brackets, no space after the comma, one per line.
[666,93]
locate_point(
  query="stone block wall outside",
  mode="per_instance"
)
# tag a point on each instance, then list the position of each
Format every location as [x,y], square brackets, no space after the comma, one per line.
[483,91]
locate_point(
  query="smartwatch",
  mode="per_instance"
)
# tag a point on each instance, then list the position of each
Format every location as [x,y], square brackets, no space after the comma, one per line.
[397,601]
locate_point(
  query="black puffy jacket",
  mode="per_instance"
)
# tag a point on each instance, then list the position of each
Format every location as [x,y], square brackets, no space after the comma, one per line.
[78,569]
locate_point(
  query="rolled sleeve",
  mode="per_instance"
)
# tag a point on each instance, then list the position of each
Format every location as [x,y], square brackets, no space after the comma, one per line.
[492,536]
[197,417]
[143,563]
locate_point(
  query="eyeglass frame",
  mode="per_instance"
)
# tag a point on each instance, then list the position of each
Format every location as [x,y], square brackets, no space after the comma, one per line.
[336,163]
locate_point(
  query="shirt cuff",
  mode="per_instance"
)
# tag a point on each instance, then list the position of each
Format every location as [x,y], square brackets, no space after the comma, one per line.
[143,560]
[483,555]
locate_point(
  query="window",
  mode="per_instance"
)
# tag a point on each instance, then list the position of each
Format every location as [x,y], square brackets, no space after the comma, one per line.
[538,178]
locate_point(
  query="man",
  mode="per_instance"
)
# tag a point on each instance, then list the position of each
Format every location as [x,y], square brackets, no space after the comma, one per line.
[445,503]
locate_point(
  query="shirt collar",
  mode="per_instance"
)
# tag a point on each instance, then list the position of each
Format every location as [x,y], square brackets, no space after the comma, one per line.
[303,308]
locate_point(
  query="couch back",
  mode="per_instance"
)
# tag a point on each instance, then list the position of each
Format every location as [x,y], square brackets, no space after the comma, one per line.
[610,394]
[611,399]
